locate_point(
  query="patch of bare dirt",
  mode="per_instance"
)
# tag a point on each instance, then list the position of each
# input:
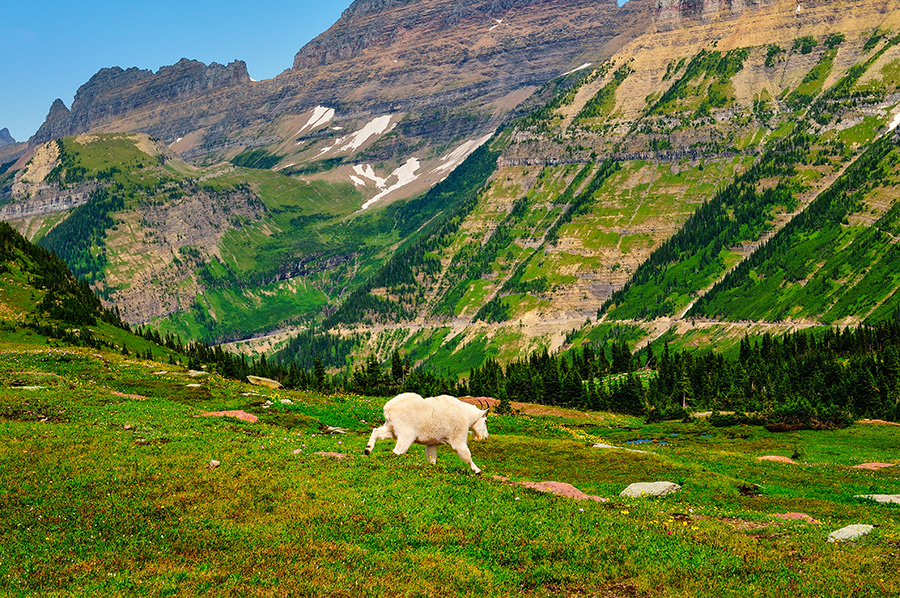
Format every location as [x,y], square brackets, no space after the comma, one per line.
[338,456]
[872,466]
[746,524]
[796,517]
[481,402]
[127,396]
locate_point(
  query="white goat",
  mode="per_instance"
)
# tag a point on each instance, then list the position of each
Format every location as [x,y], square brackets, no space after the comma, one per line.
[437,420]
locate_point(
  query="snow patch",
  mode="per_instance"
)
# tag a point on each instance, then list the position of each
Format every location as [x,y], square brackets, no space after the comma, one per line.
[405,174]
[321,116]
[580,68]
[377,126]
[457,156]
[357,182]
[327,149]
[498,21]
[367,172]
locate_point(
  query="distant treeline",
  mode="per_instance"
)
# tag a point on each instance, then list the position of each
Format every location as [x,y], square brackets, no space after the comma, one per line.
[811,379]
[805,379]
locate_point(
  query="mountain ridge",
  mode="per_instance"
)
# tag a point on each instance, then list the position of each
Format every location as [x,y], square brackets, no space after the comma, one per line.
[733,123]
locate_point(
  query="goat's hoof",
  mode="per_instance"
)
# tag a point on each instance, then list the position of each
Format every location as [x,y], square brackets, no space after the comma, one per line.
[367,452]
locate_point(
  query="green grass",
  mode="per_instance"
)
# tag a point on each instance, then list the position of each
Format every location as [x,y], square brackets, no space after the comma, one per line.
[105,495]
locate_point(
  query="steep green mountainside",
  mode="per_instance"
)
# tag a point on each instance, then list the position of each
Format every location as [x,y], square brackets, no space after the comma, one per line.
[208,253]
[42,304]
[631,208]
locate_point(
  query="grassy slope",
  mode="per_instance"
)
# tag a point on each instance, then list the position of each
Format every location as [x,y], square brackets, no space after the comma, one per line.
[95,508]
[825,265]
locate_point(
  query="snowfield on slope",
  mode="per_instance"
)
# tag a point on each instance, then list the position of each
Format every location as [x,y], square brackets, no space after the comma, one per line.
[321,116]
[405,174]
[377,126]
[450,161]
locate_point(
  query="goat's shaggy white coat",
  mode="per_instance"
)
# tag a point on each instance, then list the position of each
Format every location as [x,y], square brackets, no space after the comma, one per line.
[437,420]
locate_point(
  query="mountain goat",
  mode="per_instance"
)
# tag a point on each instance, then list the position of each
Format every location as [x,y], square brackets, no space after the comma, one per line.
[437,420]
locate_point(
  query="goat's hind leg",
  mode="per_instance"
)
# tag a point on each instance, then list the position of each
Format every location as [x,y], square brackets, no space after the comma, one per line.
[404,441]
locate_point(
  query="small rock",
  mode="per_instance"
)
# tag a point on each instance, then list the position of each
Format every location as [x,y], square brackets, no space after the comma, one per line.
[141,442]
[128,427]
[197,373]
[645,489]
[297,451]
[600,445]
[849,533]
[882,498]
[332,430]
[194,385]
[267,382]
[213,464]
[286,402]
[562,489]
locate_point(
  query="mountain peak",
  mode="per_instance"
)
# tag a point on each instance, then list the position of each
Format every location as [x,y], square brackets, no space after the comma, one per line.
[55,125]
[6,138]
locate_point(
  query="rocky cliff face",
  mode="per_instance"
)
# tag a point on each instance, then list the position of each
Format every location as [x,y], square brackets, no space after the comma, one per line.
[451,68]
[465,64]
[675,14]
[113,96]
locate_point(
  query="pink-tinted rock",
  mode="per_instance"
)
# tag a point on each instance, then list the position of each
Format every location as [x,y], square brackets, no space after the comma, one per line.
[241,415]
[777,459]
[562,489]
[558,488]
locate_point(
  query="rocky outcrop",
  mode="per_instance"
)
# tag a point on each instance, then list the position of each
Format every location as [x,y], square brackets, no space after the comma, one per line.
[452,68]
[674,14]
[55,126]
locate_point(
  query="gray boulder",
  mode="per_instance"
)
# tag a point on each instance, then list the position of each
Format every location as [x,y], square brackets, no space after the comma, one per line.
[850,533]
[882,498]
[646,489]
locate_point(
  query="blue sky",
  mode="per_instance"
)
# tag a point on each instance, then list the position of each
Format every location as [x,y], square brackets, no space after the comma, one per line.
[49,49]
